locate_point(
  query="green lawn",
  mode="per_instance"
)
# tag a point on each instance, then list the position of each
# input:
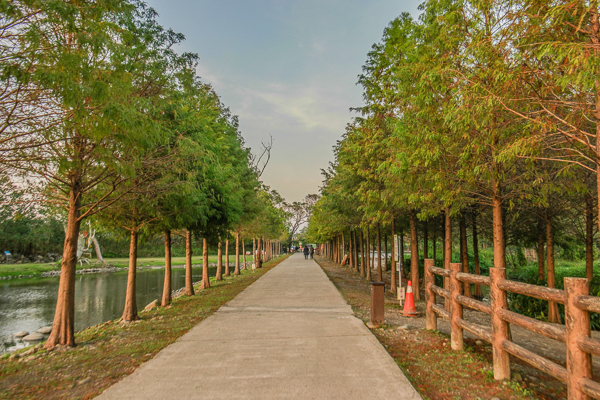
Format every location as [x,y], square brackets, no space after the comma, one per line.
[160,261]
[37,269]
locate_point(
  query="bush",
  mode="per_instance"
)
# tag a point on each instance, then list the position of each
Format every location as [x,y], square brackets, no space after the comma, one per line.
[538,309]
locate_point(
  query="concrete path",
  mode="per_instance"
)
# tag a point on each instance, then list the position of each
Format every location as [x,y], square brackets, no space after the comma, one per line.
[290,335]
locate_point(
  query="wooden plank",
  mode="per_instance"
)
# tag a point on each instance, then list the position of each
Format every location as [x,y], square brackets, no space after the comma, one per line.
[440,311]
[430,315]
[481,332]
[577,326]
[588,303]
[589,345]
[440,271]
[500,328]
[456,309]
[552,331]
[590,387]
[539,292]
[472,278]
[536,361]
[474,304]
[440,291]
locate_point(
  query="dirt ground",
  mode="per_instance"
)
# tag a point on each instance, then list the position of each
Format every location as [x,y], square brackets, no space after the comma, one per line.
[437,371]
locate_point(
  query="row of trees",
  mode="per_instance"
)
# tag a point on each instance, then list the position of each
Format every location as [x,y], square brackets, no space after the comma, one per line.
[100,118]
[487,110]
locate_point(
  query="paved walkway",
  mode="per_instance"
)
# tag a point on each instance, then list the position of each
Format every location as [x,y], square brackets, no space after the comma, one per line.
[290,335]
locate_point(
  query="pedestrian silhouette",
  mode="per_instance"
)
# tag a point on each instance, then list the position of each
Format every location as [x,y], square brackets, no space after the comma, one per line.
[306,252]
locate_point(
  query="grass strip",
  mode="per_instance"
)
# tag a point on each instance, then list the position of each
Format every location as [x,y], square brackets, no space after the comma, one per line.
[108,352]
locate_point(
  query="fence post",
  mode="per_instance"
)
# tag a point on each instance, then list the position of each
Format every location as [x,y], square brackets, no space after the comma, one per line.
[377,304]
[456,311]
[499,326]
[577,324]
[430,315]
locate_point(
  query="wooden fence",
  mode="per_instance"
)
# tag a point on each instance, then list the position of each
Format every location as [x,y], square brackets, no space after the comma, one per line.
[575,333]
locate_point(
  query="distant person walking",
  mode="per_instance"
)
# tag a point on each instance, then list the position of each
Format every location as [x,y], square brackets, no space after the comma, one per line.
[306,252]
[312,252]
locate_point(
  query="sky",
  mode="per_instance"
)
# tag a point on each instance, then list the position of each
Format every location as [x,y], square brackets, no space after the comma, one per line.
[288,69]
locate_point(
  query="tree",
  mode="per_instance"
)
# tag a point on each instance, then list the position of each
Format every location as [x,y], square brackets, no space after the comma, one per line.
[299,213]
[83,156]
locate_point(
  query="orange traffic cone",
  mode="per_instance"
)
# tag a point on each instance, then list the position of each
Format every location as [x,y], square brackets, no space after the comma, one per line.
[409,303]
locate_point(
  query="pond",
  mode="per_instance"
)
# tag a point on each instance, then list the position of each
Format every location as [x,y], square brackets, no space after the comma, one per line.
[28,304]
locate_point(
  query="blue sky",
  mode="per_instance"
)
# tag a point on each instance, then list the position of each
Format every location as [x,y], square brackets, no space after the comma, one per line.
[287,68]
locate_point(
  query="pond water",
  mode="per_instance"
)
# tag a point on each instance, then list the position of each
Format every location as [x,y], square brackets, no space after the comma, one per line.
[28,304]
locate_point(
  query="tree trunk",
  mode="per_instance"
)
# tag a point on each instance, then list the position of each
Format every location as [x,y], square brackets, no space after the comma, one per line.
[402,260]
[356,266]
[443,239]
[369,277]
[205,277]
[379,266]
[393,285]
[464,253]
[385,252]
[589,237]
[425,241]
[166,296]
[227,273]
[243,252]
[448,251]
[237,254]
[98,252]
[258,253]
[434,240]
[130,311]
[362,254]
[552,306]
[189,287]
[219,274]
[351,250]
[343,247]
[334,248]
[414,256]
[63,327]
[540,249]
[478,292]
[374,252]
[498,231]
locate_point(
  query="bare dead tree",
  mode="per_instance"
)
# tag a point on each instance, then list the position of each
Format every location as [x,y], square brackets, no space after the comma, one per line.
[259,163]
[299,213]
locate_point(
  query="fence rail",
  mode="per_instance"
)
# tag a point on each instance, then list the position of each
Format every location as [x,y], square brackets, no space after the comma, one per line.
[576,333]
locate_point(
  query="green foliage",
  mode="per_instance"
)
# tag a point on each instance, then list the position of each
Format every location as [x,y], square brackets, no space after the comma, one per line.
[24,228]
[538,309]
[31,234]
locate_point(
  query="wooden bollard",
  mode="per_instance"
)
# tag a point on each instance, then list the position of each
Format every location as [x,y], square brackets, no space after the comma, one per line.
[456,311]
[577,324]
[499,326]
[377,304]
[430,315]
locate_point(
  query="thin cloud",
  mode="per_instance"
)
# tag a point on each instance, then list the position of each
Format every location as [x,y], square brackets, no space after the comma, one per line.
[310,107]
[207,76]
